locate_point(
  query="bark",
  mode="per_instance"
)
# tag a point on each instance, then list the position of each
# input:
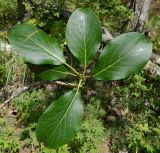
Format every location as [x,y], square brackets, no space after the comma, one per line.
[143,16]
[140,17]
[21,9]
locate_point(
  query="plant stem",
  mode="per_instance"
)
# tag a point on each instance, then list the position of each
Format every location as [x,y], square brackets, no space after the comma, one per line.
[71,74]
[77,73]
[8,76]
[79,84]
[84,70]
[24,75]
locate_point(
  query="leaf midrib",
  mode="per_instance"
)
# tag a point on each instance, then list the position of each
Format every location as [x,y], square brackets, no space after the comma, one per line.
[85,47]
[106,68]
[111,64]
[63,72]
[45,50]
[63,116]
[60,71]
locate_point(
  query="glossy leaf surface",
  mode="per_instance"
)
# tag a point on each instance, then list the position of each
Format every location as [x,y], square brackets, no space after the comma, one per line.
[123,56]
[83,35]
[61,120]
[56,73]
[35,46]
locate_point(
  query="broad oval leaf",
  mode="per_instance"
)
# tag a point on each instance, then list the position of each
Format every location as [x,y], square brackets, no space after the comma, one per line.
[123,56]
[61,121]
[35,46]
[83,35]
[55,73]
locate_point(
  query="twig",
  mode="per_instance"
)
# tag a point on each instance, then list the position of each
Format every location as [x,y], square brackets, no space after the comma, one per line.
[23,89]
[19,92]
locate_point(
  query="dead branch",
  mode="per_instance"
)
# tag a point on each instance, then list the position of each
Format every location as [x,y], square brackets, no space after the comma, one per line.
[32,86]
[19,92]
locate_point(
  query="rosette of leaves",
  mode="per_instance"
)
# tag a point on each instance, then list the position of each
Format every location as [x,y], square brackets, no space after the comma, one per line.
[124,56]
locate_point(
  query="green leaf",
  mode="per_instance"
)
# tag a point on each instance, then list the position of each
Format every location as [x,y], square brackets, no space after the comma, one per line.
[37,69]
[35,46]
[123,56]
[56,73]
[83,35]
[61,121]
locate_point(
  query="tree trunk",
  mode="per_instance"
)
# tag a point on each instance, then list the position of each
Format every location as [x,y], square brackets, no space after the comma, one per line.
[140,9]
[21,9]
